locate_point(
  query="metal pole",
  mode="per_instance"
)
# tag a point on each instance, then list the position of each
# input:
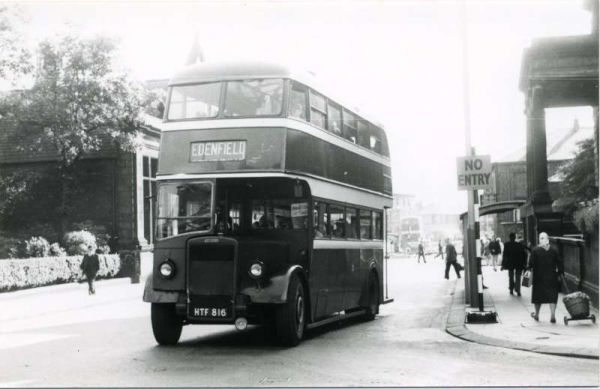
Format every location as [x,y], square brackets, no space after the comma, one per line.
[471,267]
[478,251]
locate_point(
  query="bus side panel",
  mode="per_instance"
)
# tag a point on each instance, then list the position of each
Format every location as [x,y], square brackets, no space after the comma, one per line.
[355,275]
[327,281]
[310,154]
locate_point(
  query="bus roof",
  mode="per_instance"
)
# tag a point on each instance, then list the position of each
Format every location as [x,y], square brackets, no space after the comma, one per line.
[223,71]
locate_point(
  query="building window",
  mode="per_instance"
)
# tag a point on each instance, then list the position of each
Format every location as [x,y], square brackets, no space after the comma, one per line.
[150,166]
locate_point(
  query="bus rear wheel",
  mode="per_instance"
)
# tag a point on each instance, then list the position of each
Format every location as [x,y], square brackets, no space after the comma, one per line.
[291,315]
[372,309]
[166,325]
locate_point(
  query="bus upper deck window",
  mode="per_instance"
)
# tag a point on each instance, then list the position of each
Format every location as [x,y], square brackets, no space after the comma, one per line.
[350,131]
[363,133]
[194,101]
[297,102]
[254,98]
[334,119]
[318,113]
[375,143]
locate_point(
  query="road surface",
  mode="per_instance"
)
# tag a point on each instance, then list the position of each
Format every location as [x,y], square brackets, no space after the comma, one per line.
[63,337]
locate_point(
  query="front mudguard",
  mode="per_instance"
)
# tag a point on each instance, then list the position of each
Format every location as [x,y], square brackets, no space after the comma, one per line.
[275,292]
[157,296]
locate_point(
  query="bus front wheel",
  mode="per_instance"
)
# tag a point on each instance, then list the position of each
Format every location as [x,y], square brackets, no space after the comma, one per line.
[166,325]
[291,315]
[372,308]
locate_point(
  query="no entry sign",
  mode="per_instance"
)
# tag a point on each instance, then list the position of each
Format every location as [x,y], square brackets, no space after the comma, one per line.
[474,172]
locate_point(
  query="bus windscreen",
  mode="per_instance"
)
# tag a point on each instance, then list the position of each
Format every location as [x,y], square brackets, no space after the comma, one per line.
[183,207]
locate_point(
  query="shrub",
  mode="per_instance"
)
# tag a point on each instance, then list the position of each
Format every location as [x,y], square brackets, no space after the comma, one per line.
[586,218]
[76,242]
[56,250]
[33,272]
[99,231]
[37,246]
[8,246]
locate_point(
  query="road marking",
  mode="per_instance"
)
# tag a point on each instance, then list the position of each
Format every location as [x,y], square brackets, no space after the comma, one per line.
[19,340]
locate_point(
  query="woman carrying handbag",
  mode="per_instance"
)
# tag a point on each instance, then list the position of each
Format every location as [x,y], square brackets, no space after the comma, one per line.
[547,267]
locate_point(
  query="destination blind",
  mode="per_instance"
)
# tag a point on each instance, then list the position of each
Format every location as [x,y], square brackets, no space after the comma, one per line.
[231,150]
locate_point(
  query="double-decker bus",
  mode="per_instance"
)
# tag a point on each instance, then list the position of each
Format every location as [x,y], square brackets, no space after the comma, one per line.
[411,234]
[270,204]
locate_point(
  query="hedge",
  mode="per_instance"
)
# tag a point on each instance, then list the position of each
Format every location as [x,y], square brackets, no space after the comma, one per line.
[33,272]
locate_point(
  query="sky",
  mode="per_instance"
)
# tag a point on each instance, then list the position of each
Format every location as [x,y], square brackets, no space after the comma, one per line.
[400,61]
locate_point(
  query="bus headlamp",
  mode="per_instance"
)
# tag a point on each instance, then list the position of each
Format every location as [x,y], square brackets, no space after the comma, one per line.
[256,269]
[167,269]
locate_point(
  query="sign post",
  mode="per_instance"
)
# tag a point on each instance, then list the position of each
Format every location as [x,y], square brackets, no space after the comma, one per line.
[474,172]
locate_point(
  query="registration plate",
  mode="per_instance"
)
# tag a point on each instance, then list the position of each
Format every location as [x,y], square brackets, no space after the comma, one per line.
[228,150]
[209,312]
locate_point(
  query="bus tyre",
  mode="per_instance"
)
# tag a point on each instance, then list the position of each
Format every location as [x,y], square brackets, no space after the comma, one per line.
[372,308]
[166,325]
[291,315]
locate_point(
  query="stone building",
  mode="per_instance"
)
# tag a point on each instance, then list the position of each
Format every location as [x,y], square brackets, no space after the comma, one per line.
[115,193]
[555,72]
[501,204]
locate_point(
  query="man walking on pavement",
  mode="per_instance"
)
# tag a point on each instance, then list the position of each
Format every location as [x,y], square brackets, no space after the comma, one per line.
[514,260]
[495,250]
[89,266]
[421,253]
[451,260]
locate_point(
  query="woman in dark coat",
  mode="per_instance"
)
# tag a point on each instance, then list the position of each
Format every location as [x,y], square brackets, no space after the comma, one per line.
[546,267]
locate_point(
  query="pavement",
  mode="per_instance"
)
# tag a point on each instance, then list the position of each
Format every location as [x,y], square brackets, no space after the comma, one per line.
[515,328]
[57,305]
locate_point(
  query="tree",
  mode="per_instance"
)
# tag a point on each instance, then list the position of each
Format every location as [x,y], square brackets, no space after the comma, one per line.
[79,104]
[580,192]
[14,57]
[579,184]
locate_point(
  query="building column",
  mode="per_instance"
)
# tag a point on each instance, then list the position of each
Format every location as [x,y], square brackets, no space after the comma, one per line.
[140,239]
[537,161]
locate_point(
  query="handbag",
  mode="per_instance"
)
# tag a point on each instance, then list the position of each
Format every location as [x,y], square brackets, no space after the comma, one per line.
[526,280]
[562,285]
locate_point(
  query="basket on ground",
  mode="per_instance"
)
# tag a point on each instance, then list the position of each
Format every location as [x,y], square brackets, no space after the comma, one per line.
[577,304]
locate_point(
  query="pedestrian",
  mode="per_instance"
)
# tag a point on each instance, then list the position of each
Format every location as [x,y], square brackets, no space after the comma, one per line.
[495,251]
[486,251]
[514,259]
[451,260]
[90,264]
[440,250]
[421,252]
[546,267]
